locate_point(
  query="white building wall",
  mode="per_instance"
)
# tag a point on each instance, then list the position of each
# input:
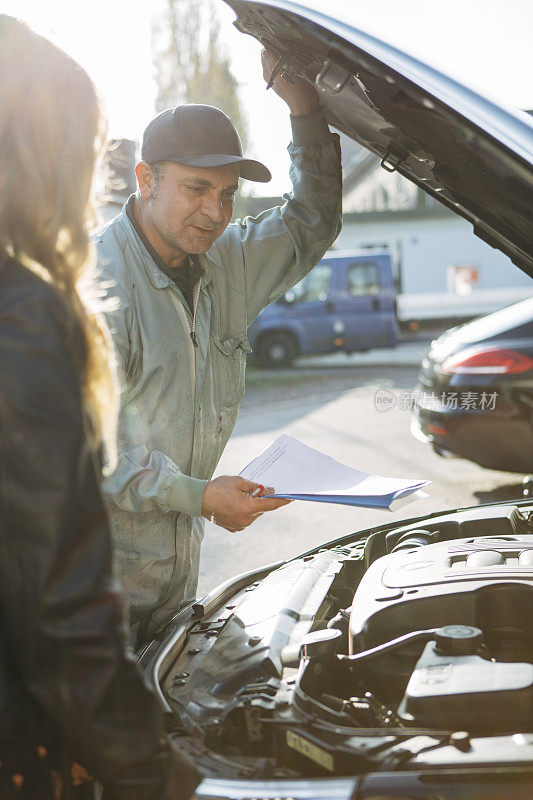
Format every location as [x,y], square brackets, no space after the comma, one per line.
[425,247]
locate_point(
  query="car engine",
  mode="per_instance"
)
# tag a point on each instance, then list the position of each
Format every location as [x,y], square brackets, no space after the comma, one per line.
[476,671]
[396,646]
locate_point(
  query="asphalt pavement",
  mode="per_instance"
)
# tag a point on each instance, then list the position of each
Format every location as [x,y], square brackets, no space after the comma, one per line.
[332,403]
[405,354]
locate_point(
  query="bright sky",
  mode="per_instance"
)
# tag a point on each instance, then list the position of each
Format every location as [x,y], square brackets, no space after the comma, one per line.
[487,42]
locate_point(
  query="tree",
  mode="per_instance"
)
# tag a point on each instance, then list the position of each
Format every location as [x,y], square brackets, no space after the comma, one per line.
[191,63]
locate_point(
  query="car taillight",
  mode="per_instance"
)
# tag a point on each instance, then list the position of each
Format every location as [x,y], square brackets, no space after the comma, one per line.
[438,429]
[491,361]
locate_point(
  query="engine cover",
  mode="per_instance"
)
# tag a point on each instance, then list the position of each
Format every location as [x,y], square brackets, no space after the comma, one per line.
[486,582]
[468,693]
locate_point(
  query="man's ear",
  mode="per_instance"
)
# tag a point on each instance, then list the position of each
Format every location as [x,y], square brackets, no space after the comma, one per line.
[145,179]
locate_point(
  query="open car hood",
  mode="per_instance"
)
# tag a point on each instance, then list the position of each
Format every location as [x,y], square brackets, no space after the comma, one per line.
[465,150]
[343,672]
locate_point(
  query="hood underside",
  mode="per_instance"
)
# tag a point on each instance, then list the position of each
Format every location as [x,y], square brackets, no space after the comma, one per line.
[461,148]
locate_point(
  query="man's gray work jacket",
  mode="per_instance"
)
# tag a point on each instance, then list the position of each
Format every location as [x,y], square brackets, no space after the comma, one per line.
[180,402]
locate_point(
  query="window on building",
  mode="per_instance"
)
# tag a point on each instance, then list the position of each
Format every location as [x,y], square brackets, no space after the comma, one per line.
[363,279]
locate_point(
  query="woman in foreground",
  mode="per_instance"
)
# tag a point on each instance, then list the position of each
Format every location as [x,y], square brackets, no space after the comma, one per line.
[73,705]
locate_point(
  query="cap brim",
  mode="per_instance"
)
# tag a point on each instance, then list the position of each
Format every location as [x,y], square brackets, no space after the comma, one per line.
[248,168]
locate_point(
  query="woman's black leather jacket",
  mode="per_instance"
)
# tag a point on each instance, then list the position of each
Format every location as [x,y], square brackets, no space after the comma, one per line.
[72,701]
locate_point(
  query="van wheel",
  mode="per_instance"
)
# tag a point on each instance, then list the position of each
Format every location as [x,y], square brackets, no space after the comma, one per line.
[276,350]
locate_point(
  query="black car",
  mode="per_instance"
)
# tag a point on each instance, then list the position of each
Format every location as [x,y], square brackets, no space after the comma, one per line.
[474,398]
[396,662]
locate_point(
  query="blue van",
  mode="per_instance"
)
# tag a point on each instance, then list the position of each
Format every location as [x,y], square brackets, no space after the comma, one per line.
[347,302]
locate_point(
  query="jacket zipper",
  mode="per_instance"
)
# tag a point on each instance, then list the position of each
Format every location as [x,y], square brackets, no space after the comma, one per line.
[194,309]
[191,329]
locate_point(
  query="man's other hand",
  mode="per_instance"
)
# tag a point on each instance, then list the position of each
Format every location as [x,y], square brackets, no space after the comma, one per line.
[228,502]
[301,96]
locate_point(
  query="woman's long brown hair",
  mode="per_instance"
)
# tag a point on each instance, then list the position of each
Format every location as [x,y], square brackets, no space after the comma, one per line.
[51,132]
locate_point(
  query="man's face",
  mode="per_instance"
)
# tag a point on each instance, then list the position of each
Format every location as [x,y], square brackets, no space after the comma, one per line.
[192,206]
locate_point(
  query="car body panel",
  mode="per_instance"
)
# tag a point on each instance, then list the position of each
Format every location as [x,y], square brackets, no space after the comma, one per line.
[364,300]
[495,431]
[491,327]
[453,784]
[346,303]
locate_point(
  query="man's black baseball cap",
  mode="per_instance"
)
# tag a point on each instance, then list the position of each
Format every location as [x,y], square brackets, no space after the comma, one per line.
[198,136]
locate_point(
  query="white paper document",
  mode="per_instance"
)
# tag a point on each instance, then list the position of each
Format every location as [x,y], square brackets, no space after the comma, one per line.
[299,472]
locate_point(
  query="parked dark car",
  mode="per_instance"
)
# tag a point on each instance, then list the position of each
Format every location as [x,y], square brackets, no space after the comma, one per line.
[474,398]
[396,662]
[345,304]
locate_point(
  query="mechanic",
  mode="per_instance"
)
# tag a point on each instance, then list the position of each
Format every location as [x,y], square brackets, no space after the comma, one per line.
[188,285]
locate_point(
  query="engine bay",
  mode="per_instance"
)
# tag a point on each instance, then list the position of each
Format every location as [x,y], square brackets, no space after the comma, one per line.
[402,647]
[483,583]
